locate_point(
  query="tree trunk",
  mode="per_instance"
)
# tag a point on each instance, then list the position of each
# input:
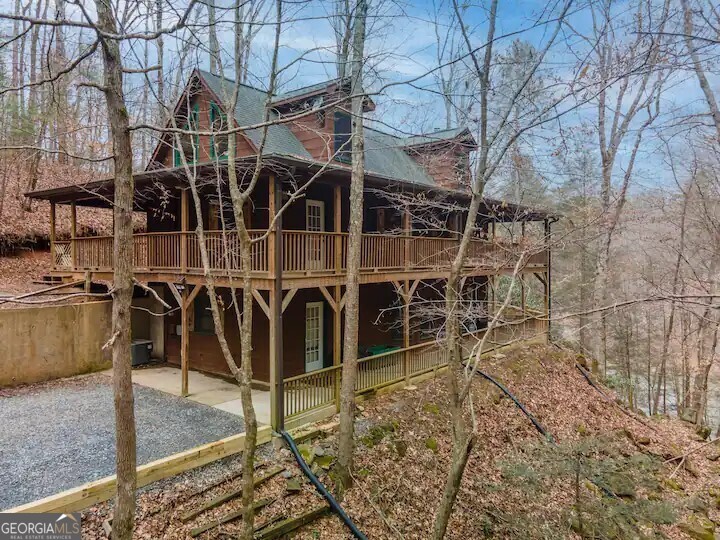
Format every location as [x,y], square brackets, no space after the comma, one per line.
[213,38]
[352,292]
[124,515]
[161,68]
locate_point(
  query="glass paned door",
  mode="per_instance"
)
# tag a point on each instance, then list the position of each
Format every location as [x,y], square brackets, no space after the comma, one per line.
[315,223]
[313,336]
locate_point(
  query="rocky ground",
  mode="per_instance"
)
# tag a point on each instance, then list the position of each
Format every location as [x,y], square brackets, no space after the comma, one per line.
[61,434]
[608,473]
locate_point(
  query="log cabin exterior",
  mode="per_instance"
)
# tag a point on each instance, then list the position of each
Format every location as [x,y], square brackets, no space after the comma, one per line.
[298,265]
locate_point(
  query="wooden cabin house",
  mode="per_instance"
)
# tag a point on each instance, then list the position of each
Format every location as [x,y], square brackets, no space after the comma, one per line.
[415,205]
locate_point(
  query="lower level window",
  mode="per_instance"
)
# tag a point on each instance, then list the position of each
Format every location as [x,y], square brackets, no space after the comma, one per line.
[204,323]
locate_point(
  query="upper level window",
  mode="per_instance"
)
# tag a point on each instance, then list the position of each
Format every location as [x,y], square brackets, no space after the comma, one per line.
[218,122]
[190,144]
[343,130]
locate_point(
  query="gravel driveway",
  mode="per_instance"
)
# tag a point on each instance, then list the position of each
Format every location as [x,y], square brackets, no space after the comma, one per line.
[59,435]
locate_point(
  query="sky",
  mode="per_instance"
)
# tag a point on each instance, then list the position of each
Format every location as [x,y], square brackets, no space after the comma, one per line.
[402,60]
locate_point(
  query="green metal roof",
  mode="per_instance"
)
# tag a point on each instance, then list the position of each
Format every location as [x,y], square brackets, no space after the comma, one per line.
[384,153]
[249,110]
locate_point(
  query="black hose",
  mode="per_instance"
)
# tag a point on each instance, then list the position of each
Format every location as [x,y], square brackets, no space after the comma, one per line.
[509,394]
[590,381]
[321,489]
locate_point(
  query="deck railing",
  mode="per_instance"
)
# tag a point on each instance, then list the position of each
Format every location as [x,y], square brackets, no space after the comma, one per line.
[304,253]
[318,389]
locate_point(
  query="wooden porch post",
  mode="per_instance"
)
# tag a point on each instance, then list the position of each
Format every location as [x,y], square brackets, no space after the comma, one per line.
[337,313]
[52,233]
[184,228]
[407,231]
[187,300]
[73,234]
[548,277]
[406,328]
[337,226]
[275,264]
[337,342]
[184,342]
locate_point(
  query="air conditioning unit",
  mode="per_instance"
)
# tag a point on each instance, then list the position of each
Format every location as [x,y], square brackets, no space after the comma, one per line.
[140,351]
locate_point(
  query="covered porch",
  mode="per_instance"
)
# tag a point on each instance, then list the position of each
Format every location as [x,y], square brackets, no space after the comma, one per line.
[402,236]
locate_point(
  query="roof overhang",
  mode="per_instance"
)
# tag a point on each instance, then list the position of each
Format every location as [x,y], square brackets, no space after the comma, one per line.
[464,138]
[99,193]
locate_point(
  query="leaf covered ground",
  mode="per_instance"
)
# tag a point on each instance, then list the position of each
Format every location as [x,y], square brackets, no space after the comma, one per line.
[609,473]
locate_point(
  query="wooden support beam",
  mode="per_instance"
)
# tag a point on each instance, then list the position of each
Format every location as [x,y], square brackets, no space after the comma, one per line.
[407,231]
[73,234]
[261,302]
[86,495]
[52,234]
[272,271]
[548,277]
[406,330]
[399,287]
[337,343]
[413,287]
[275,309]
[288,298]
[184,228]
[337,226]
[175,293]
[193,294]
[342,301]
[184,343]
[329,298]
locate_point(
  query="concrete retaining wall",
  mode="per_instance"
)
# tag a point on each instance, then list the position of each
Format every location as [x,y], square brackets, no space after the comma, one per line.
[43,343]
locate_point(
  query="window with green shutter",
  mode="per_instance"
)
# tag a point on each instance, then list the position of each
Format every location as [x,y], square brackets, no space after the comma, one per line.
[218,143]
[190,144]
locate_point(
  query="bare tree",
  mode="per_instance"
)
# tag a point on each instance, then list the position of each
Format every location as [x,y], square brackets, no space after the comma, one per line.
[492,148]
[125,460]
[640,82]
[352,287]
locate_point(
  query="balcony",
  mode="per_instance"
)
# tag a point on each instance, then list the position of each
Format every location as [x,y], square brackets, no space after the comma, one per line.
[304,254]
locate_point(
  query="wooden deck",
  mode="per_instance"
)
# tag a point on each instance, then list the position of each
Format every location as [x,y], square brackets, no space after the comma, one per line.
[317,389]
[315,257]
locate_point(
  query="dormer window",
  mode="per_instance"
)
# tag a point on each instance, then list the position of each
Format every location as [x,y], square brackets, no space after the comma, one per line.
[190,144]
[343,131]
[218,143]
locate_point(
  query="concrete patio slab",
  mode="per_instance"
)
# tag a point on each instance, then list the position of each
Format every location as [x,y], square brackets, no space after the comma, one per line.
[205,389]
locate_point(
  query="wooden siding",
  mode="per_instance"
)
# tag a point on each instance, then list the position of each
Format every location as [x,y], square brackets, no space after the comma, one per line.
[315,133]
[206,356]
[447,163]
[201,98]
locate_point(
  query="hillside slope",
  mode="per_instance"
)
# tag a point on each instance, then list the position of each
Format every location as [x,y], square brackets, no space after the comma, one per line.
[611,465]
